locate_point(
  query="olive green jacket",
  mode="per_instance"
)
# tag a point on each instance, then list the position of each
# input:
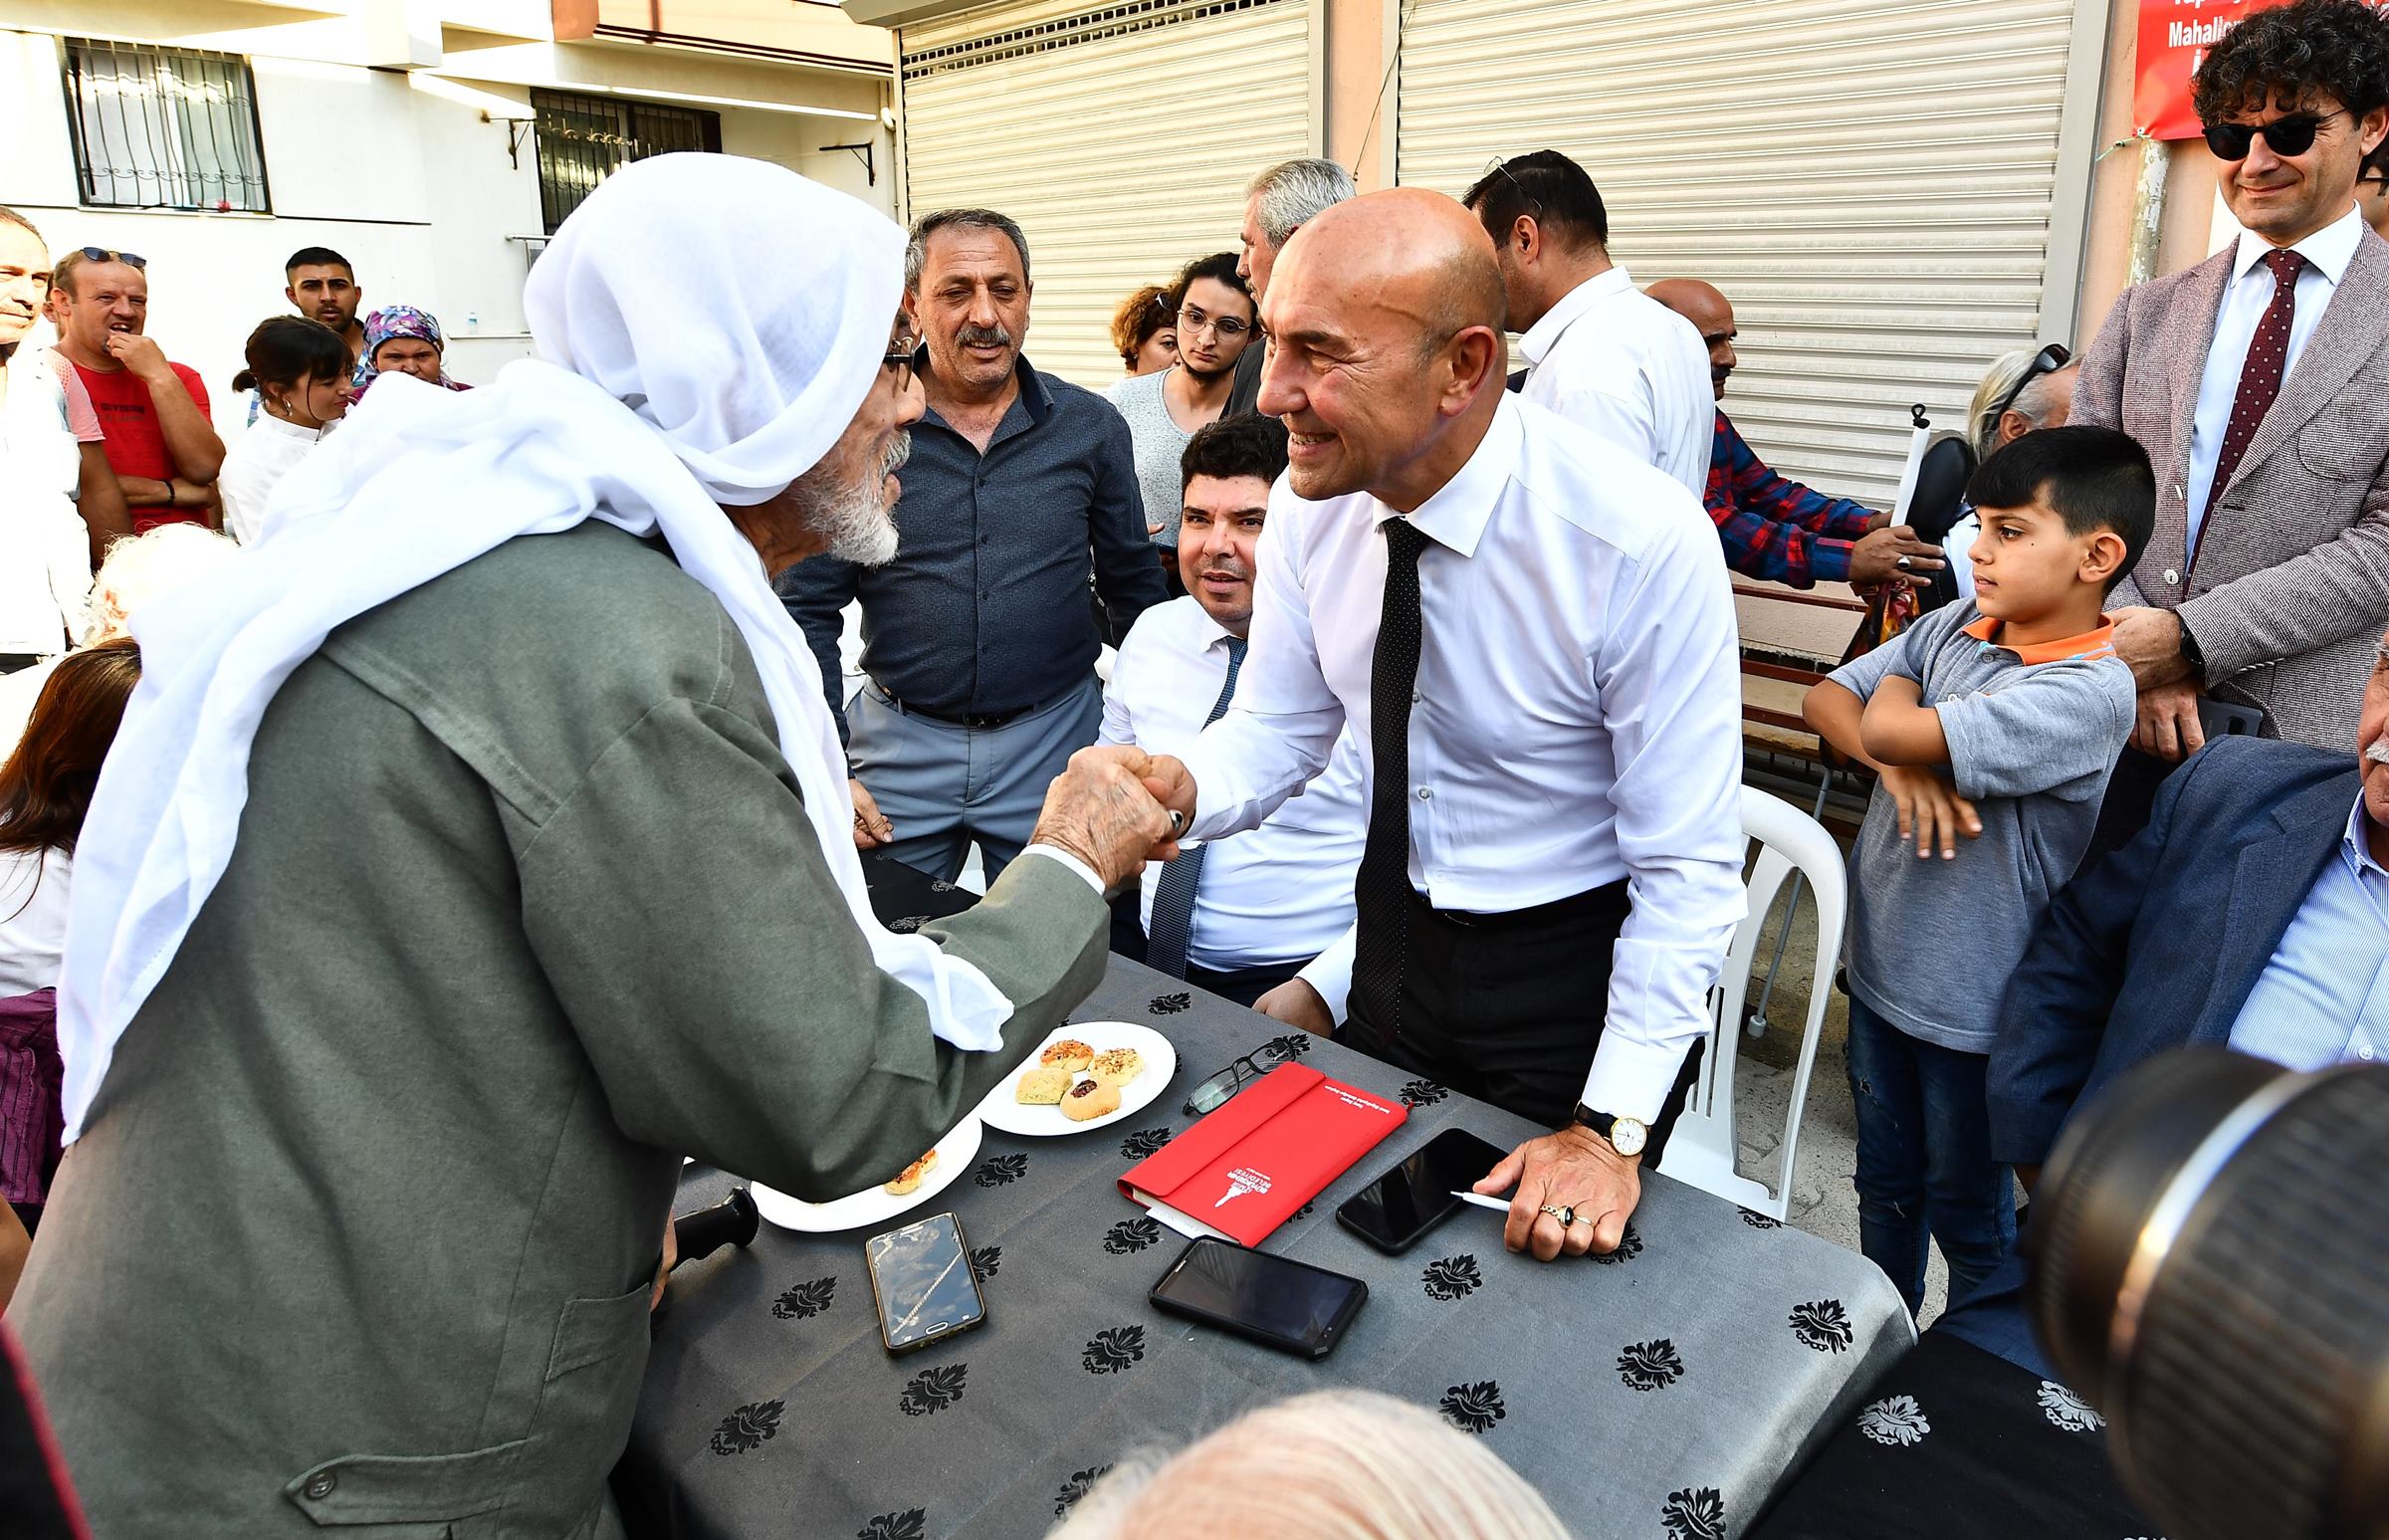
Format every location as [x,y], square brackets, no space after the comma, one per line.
[524,907]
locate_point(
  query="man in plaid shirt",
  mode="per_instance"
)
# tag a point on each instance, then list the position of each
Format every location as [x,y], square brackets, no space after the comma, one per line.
[1775,528]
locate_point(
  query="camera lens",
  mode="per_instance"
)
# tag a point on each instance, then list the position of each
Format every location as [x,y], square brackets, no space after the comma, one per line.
[2210,1250]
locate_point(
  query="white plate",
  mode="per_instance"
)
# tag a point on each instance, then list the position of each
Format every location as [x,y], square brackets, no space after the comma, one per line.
[1002,1110]
[873,1205]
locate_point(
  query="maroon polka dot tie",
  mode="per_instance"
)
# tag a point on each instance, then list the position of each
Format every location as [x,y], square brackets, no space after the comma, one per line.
[2260,378]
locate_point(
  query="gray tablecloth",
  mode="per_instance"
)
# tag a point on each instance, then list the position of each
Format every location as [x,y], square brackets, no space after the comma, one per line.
[1663,1393]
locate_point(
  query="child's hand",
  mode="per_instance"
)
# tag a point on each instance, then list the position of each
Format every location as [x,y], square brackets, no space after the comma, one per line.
[1930,810]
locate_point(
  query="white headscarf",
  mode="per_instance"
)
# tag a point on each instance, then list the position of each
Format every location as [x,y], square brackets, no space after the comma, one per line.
[710,325]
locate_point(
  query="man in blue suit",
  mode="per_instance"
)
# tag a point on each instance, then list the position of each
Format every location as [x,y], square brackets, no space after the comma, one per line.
[2252,911]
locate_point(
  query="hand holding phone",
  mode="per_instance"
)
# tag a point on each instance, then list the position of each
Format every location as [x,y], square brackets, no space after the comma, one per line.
[923,1282]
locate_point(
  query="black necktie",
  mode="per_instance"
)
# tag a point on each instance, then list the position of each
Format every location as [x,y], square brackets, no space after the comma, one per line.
[1174,896]
[1382,890]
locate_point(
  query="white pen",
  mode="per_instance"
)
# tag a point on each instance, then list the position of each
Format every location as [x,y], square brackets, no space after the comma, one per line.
[1497,1205]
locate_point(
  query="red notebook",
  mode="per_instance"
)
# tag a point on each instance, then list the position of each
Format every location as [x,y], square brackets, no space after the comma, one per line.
[1244,1169]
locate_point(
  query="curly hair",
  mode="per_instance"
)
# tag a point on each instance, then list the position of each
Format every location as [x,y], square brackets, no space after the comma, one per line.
[1139,317]
[2302,52]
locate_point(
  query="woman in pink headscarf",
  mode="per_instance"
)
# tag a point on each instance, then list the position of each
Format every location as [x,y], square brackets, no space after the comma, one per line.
[401,339]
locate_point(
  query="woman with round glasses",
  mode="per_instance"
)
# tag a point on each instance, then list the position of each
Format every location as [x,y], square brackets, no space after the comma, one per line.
[1217,320]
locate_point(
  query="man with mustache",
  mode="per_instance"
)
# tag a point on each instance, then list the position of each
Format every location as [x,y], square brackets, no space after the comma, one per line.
[2140,954]
[1243,915]
[978,638]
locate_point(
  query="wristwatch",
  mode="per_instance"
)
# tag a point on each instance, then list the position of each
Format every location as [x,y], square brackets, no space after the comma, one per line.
[1626,1136]
[2192,653]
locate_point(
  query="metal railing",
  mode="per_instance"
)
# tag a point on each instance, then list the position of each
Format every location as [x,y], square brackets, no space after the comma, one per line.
[583,140]
[164,127]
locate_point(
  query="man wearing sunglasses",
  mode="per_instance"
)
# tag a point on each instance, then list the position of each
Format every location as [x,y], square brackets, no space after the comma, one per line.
[2254,382]
[153,413]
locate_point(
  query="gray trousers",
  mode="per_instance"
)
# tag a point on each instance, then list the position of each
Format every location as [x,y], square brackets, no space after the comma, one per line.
[944,787]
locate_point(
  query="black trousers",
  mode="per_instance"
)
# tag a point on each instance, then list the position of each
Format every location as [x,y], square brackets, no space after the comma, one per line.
[1509,1007]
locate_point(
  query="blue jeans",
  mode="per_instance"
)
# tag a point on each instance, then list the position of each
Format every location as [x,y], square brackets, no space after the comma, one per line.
[1924,1159]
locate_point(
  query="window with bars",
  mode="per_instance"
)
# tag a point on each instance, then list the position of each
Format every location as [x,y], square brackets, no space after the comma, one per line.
[164,127]
[583,140]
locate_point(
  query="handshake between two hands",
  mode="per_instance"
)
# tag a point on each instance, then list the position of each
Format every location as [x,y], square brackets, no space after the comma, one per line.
[1112,807]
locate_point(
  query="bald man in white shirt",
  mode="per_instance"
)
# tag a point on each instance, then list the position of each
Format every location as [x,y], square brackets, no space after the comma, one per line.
[1531,636]
[1598,351]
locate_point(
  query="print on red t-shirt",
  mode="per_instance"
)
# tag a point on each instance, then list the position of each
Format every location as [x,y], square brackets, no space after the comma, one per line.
[132,442]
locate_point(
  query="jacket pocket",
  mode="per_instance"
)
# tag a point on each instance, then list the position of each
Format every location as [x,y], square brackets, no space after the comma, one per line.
[414,1496]
[584,1414]
[547,1482]
[2343,442]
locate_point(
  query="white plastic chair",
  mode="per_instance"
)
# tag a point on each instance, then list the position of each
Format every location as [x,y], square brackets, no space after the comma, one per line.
[1702,1148]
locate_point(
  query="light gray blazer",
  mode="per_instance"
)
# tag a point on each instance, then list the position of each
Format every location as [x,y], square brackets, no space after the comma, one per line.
[2291,587]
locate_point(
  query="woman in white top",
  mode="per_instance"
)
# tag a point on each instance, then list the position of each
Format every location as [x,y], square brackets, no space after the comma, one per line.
[299,369]
[46,788]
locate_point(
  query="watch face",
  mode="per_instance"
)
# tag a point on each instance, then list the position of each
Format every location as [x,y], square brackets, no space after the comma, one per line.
[1627,1137]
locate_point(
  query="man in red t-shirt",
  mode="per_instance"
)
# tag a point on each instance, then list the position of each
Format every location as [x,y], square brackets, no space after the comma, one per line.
[153,413]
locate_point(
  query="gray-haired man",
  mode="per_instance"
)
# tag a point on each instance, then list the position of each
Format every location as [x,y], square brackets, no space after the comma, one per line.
[1279,202]
[978,637]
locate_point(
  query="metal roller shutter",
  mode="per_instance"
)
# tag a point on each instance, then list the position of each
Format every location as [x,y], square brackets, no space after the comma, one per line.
[1876,184]
[1120,139]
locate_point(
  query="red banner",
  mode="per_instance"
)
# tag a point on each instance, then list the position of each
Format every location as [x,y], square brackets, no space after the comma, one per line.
[2174,36]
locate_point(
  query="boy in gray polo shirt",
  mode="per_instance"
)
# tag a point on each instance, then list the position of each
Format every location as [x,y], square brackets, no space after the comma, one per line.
[1992,725]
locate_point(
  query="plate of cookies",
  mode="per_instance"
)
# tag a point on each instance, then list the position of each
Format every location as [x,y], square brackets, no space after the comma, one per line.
[1086,1075]
[916,1184]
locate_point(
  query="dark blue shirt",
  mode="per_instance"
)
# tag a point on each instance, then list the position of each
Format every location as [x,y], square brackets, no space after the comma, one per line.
[984,611]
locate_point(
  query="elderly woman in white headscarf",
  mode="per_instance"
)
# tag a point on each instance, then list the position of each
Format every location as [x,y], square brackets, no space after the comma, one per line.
[471,851]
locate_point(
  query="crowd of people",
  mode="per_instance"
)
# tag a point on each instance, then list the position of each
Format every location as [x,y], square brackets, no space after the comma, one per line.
[475,875]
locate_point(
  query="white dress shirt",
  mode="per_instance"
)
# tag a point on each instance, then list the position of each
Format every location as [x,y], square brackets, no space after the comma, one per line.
[1612,358]
[1277,894]
[45,554]
[33,917]
[2328,251]
[260,457]
[1578,715]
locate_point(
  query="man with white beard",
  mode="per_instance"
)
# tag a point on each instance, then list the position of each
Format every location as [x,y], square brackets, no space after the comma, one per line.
[2253,912]
[375,1100]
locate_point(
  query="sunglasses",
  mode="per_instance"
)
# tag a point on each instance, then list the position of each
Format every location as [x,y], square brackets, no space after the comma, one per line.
[132,260]
[1213,1093]
[1499,163]
[2290,136]
[2047,360]
[898,357]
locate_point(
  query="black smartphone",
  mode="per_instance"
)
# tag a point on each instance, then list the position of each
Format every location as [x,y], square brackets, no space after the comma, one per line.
[1275,1301]
[1391,1213]
[921,1280]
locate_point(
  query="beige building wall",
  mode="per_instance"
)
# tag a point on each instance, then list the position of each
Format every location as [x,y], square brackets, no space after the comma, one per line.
[2187,218]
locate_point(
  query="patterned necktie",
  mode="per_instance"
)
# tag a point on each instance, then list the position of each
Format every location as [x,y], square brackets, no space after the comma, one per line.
[1381,892]
[1174,896]
[2260,380]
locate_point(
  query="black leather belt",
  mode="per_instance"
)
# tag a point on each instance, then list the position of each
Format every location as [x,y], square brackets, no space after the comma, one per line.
[977,722]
